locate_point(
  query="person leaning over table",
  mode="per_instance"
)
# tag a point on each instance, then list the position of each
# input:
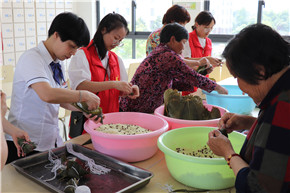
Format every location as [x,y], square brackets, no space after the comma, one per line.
[103,72]
[199,45]
[163,69]
[7,127]
[39,86]
[263,164]
[178,14]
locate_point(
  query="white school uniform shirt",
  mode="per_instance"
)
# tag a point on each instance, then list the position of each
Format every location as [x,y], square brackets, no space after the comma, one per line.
[28,112]
[79,69]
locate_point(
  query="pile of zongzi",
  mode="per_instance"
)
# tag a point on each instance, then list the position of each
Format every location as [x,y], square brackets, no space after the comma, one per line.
[187,107]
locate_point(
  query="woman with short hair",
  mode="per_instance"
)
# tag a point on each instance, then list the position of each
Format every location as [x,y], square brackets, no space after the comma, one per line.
[259,58]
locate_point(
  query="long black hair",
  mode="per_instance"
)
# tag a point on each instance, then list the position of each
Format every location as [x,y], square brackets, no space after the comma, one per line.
[203,18]
[110,22]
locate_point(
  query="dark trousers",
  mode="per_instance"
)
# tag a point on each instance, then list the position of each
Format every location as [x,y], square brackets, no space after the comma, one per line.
[12,152]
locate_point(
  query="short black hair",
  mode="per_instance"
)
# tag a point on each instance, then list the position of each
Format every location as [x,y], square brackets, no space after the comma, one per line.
[176,13]
[203,18]
[254,46]
[173,29]
[70,27]
[110,22]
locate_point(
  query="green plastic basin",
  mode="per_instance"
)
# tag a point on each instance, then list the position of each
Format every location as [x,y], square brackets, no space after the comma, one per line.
[202,173]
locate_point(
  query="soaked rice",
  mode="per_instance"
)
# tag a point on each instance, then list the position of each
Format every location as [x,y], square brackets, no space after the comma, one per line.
[122,129]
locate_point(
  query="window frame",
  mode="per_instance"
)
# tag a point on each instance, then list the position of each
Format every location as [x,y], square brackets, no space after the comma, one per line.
[135,35]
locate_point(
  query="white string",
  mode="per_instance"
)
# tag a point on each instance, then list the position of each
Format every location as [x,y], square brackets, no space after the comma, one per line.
[94,168]
[167,187]
[55,164]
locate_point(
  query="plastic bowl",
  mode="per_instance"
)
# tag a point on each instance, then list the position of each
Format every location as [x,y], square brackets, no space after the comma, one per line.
[177,123]
[234,102]
[129,148]
[202,173]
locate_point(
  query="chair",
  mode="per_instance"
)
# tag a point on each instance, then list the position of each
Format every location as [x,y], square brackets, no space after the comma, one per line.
[131,71]
[220,73]
[63,114]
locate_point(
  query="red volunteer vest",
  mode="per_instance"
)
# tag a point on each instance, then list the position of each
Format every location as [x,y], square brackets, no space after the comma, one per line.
[109,98]
[196,50]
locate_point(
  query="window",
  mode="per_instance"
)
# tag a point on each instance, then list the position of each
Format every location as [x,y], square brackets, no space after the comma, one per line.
[143,17]
[231,16]
[149,14]
[277,15]
[122,7]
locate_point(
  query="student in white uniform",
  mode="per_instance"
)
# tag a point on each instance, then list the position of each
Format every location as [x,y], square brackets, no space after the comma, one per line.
[39,86]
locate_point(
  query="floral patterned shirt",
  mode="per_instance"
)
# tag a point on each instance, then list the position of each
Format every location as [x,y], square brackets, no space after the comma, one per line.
[153,41]
[162,69]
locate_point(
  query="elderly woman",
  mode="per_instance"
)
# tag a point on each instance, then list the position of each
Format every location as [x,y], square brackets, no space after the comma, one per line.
[259,58]
[163,69]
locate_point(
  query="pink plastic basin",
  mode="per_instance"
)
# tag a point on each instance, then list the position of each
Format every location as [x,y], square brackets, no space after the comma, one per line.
[129,148]
[178,123]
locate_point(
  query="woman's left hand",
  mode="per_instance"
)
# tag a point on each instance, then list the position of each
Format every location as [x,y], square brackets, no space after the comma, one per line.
[219,144]
[93,118]
[135,92]
[19,133]
[214,61]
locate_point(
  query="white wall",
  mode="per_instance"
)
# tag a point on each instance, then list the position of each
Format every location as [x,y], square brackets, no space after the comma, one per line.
[86,9]
[193,7]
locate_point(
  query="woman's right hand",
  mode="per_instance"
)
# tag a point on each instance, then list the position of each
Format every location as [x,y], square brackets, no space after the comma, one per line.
[221,90]
[124,87]
[92,100]
[232,121]
[204,62]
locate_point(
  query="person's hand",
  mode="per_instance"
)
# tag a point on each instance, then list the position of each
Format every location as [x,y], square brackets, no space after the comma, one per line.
[214,61]
[3,104]
[219,144]
[221,90]
[204,62]
[209,69]
[232,121]
[135,92]
[19,133]
[95,118]
[92,100]
[124,87]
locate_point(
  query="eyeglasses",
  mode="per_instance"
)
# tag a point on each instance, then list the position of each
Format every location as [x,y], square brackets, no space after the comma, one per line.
[207,29]
[118,43]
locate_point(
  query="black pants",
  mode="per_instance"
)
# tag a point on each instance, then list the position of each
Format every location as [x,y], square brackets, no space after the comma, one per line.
[12,152]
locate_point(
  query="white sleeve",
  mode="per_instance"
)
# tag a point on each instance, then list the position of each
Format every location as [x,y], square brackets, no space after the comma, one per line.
[79,69]
[186,53]
[31,69]
[123,72]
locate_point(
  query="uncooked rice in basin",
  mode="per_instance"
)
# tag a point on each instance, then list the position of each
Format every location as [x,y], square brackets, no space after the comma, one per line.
[122,129]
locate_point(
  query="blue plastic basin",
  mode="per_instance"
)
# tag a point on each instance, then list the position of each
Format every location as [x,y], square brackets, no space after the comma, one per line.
[234,102]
